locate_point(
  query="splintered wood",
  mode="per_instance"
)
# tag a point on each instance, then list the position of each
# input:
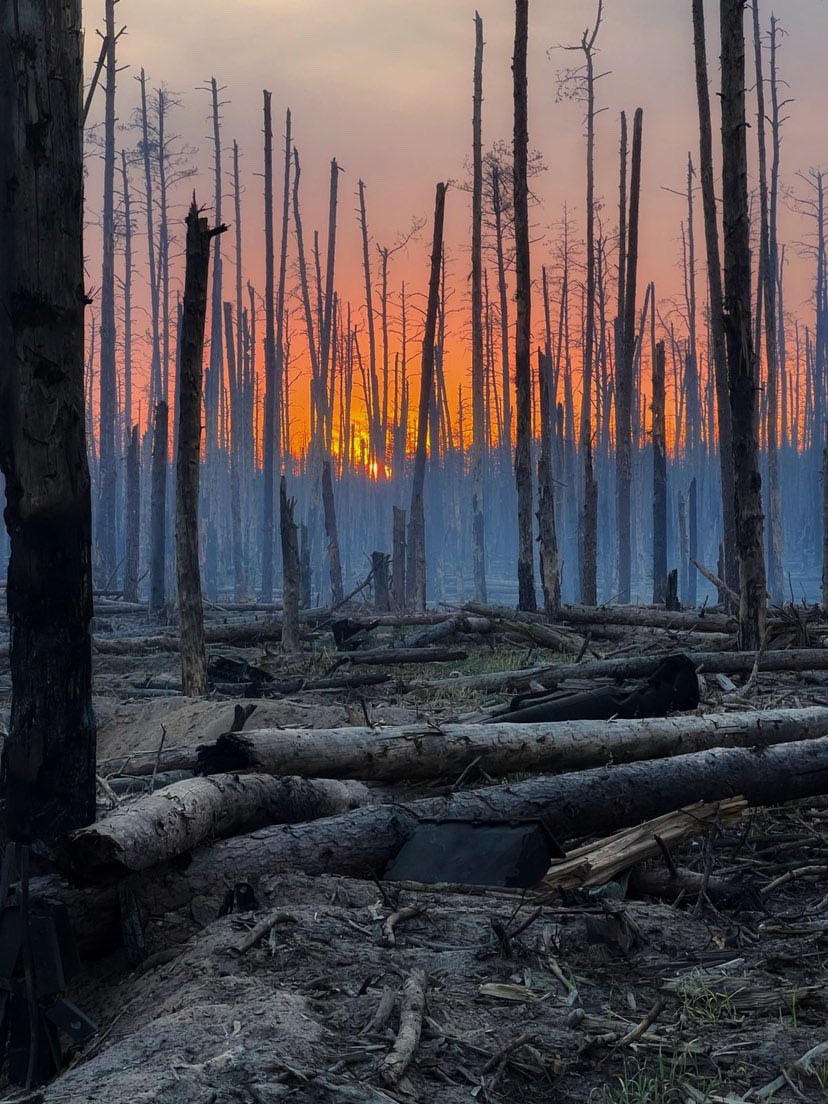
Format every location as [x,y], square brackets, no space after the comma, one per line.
[597,863]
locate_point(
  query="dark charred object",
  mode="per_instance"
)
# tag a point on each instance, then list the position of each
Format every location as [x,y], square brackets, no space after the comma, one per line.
[508,853]
[241,898]
[349,634]
[673,687]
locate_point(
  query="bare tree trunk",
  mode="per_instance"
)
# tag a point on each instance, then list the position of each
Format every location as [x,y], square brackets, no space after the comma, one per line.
[624,388]
[478,408]
[106,556]
[549,565]
[49,753]
[158,510]
[379,574]
[193,656]
[133,518]
[270,442]
[416,566]
[398,559]
[376,427]
[290,571]
[127,211]
[233,370]
[334,562]
[327,362]
[714,276]
[740,352]
[505,377]
[659,480]
[214,382]
[156,389]
[523,325]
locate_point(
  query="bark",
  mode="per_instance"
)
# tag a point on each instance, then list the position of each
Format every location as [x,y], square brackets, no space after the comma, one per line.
[156,388]
[327,365]
[49,753]
[107,471]
[523,325]
[377,443]
[173,821]
[158,510]
[714,276]
[270,441]
[398,559]
[742,374]
[416,561]
[379,575]
[659,480]
[647,616]
[624,374]
[188,569]
[422,751]
[334,562]
[290,571]
[236,438]
[133,518]
[213,382]
[478,406]
[549,564]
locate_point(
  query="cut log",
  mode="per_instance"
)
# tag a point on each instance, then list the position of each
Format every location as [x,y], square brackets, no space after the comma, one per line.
[533,628]
[649,616]
[390,656]
[423,751]
[729,663]
[444,630]
[173,821]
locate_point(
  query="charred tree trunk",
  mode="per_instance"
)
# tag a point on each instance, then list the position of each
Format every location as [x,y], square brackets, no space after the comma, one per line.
[158,510]
[379,573]
[714,276]
[549,565]
[659,481]
[193,656]
[334,561]
[236,437]
[290,571]
[214,377]
[398,559]
[49,753]
[740,352]
[133,518]
[271,396]
[416,562]
[523,325]
[478,406]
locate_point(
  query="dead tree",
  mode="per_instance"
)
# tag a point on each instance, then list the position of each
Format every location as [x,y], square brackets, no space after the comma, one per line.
[133,518]
[193,656]
[236,437]
[416,563]
[334,562]
[549,565]
[213,383]
[714,276]
[291,584]
[523,325]
[158,510]
[398,559]
[659,480]
[271,396]
[156,388]
[739,338]
[478,408]
[49,753]
[127,288]
[624,376]
[107,471]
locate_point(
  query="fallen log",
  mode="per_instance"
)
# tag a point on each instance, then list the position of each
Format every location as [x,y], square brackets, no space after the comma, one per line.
[176,819]
[444,630]
[385,657]
[531,627]
[425,751]
[649,616]
[550,676]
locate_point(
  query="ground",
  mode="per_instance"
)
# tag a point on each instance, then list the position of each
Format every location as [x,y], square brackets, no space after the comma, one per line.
[593,996]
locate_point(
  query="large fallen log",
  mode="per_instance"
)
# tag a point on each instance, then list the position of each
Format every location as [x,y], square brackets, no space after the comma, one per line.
[446,629]
[385,657]
[532,627]
[425,751]
[649,616]
[176,819]
[550,676]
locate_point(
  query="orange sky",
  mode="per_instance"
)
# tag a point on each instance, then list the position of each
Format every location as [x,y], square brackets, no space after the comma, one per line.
[385,87]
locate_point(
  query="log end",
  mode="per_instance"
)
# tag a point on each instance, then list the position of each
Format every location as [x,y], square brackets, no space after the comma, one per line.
[231,752]
[89,857]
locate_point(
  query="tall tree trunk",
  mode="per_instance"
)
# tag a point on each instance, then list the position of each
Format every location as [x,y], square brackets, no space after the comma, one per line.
[659,480]
[549,565]
[416,566]
[158,510]
[478,408]
[236,421]
[156,389]
[523,325]
[738,335]
[327,365]
[714,276]
[505,376]
[624,387]
[105,518]
[290,571]
[193,656]
[133,518]
[49,752]
[271,396]
[334,562]
[214,384]
[127,212]
[378,446]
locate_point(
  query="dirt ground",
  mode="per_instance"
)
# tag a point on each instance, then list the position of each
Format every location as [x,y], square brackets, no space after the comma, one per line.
[595,996]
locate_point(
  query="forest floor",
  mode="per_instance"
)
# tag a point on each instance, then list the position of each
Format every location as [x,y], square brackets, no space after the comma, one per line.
[593,996]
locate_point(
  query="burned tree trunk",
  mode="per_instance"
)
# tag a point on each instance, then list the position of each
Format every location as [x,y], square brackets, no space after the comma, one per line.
[549,564]
[523,331]
[659,481]
[193,656]
[271,397]
[158,510]
[50,749]
[416,566]
[334,562]
[133,518]
[290,571]
[398,559]
[739,338]
[478,406]
[379,573]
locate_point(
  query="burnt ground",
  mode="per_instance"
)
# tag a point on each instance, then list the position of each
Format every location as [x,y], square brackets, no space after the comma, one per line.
[594,996]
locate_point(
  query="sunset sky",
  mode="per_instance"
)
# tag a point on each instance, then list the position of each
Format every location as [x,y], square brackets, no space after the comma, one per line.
[385,87]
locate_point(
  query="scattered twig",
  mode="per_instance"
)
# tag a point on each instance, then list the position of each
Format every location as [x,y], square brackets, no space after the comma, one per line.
[389,938]
[262,928]
[645,1024]
[501,1057]
[399,1058]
